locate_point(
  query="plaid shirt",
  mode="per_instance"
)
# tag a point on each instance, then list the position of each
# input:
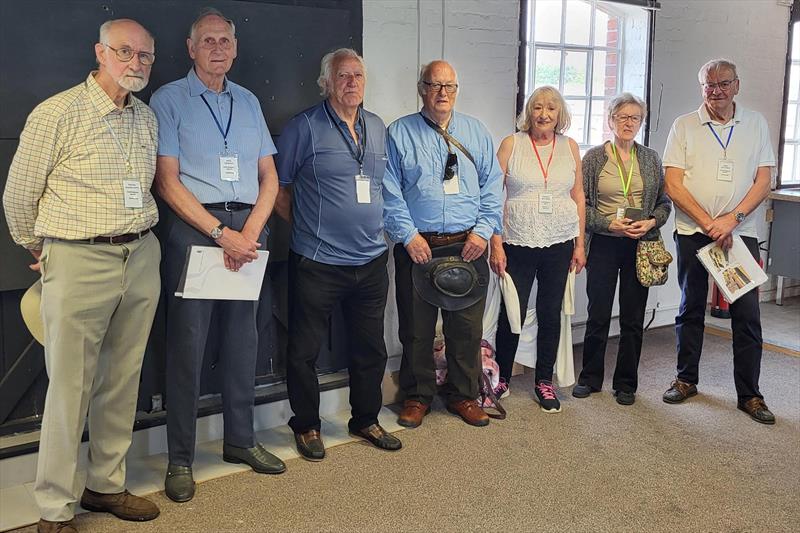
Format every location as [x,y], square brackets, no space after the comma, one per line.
[66,179]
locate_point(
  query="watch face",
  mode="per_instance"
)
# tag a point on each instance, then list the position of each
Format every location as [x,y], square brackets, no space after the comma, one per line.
[216,233]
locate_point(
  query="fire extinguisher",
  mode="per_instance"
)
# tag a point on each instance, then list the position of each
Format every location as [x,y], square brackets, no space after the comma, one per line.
[720,308]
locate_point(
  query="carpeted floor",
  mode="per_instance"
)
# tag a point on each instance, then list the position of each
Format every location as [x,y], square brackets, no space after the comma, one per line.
[597,466]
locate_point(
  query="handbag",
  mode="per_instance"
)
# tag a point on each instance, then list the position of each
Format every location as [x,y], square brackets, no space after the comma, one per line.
[652,262]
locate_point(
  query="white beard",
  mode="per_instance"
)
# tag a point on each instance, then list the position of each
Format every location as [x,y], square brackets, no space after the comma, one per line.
[132,84]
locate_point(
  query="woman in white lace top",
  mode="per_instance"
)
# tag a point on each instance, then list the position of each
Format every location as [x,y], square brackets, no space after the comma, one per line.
[543,228]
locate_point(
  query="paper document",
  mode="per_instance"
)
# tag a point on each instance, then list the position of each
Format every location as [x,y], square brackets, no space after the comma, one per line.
[206,278]
[735,271]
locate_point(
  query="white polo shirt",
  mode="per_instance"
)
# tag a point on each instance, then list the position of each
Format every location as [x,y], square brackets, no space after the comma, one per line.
[692,147]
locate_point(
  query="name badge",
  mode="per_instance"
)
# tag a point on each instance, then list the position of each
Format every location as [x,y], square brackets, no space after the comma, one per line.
[229,167]
[546,203]
[725,170]
[451,185]
[362,189]
[133,193]
[620,213]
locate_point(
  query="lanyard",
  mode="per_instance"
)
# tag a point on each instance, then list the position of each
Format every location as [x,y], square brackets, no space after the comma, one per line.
[544,169]
[724,146]
[126,157]
[219,126]
[358,155]
[620,166]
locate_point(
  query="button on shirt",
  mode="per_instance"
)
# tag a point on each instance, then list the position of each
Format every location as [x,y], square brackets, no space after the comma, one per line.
[66,179]
[328,223]
[413,191]
[693,148]
[188,132]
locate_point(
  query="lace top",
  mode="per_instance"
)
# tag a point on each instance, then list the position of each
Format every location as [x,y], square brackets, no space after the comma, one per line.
[523,224]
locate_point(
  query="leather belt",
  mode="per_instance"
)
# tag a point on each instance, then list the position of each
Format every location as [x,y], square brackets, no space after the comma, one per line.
[443,239]
[114,239]
[229,206]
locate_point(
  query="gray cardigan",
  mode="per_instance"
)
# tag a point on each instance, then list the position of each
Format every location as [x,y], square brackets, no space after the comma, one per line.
[655,203]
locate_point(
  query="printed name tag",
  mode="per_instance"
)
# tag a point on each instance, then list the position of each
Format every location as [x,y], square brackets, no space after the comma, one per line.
[362,189]
[133,193]
[546,203]
[229,167]
[620,213]
[451,185]
[725,170]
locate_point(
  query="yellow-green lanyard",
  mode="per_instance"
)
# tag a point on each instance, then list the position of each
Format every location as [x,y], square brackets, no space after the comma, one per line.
[620,166]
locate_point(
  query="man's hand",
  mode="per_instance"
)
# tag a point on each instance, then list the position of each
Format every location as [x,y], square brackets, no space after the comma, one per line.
[721,228]
[578,259]
[238,248]
[37,266]
[497,259]
[639,229]
[418,250]
[473,247]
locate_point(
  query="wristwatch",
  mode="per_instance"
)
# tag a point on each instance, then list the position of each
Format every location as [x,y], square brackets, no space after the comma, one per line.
[216,233]
[739,216]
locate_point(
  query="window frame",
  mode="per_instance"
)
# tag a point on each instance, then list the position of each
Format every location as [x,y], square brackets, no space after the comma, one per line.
[794,18]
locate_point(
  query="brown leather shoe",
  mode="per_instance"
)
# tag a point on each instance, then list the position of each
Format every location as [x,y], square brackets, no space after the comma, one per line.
[758,410]
[412,414]
[46,526]
[679,391]
[309,445]
[123,505]
[470,412]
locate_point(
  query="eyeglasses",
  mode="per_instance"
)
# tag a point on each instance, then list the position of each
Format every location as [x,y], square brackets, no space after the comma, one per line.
[125,54]
[722,86]
[451,166]
[450,88]
[622,119]
[209,43]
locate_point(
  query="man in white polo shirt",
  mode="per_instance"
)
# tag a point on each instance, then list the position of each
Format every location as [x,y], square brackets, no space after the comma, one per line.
[718,163]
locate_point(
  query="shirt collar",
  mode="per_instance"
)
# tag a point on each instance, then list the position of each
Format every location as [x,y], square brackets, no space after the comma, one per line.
[197,87]
[100,99]
[332,112]
[705,118]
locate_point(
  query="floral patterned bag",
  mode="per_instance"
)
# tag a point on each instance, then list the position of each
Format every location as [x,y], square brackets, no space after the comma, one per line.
[652,262]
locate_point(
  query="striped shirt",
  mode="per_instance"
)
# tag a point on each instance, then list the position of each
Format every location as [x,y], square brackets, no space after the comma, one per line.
[67,177]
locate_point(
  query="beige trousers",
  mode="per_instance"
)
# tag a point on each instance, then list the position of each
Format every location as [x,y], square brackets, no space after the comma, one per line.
[98,303]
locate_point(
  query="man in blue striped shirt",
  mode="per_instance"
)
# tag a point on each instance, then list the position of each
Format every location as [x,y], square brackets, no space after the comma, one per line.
[437,193]
[216,173]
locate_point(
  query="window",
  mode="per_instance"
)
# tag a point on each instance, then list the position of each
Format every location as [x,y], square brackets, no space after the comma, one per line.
[789,175]
[590,50]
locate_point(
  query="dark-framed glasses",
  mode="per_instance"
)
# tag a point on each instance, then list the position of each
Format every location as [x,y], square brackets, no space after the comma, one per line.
[451,166]
[125,54]
[722,86]
[622,119]
[450,88]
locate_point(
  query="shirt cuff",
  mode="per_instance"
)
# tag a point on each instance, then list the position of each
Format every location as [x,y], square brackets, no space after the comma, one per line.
[413,233]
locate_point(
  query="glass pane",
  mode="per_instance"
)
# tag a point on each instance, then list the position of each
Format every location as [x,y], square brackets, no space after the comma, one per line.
[796,41]
[578,22]
[791,122]
[605,75]
[547,21]
[606,29]
[598,125]
[794,82]
[788,165]
[577,129]
[575,73]
[548,68]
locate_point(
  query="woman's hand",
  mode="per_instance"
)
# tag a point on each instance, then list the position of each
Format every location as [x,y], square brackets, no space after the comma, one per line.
[639,229]
[619,225]
[497,259]
[578,259]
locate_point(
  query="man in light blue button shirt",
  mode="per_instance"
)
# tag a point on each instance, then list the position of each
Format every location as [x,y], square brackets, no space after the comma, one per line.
[435,194]
[216,173]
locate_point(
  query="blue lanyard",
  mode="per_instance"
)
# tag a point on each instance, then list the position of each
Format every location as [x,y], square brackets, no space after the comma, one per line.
[724,146]
[358,155]
[219,126]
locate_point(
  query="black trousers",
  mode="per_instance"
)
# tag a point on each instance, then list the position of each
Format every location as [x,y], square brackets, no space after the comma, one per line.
[314,289]
[188,323]
[462,336]
[609,258]
[550,266]
[689,324]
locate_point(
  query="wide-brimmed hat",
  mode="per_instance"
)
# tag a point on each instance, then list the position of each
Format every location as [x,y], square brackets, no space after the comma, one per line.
[30,305]
[449,282]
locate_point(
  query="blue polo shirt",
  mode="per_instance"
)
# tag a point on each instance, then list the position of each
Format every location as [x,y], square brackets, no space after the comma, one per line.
[187,130]
[328,223]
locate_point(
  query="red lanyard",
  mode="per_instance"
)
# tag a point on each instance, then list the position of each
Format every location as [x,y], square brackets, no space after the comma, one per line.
[549,160]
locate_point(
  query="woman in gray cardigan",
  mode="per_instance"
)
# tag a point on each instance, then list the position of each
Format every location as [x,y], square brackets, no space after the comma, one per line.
[625,202]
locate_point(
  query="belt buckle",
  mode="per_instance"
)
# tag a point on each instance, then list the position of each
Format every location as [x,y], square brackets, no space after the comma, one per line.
[228,209]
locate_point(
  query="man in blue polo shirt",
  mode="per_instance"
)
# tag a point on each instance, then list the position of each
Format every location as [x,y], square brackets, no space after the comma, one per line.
[216,173]
[331,163]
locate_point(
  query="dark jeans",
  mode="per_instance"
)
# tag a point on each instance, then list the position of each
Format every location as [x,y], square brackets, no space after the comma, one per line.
[550,266]
[610,257]
[188,323]
[314,289]
[462,333]
[689,324]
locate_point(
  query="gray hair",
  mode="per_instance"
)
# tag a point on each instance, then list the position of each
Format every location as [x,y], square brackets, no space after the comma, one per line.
[331,59]
[105,28]
[625,99]
[425,70]
[564,118]
[716,64]
[210,12]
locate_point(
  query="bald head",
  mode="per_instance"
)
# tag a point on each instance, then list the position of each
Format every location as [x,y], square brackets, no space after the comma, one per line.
[123,25]
[438,87]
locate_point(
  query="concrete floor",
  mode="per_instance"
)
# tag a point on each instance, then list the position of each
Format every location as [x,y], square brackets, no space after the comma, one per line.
[780,324]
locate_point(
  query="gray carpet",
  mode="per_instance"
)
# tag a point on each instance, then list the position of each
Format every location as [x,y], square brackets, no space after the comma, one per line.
[597,466]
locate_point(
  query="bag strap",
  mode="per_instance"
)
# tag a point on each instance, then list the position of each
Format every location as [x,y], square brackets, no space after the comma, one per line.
[449,139]
[488,392]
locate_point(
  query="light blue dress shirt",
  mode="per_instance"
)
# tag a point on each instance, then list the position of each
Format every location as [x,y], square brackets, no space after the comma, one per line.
[413,187]
[188,131]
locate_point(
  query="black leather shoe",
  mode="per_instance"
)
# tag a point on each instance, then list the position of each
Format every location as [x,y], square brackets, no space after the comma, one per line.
[309,445]
[378,437]
[625,398]
[259,459]
[582,391]
[179,483]
[679,391]
[758,410]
